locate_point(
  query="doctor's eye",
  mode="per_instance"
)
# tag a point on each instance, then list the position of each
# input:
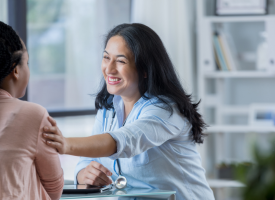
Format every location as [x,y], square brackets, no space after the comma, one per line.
[121,61]
[105,57]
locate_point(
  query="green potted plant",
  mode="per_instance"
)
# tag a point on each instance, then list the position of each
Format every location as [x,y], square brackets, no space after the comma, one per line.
[229,170]
[226,170]
[260,178]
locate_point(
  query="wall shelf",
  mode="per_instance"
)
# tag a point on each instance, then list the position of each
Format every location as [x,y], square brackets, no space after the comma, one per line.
[219,183]
[221,19]
[228,109]
[240,129]
[239,74]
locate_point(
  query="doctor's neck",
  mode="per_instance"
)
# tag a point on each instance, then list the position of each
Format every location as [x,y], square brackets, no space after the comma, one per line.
[129,103]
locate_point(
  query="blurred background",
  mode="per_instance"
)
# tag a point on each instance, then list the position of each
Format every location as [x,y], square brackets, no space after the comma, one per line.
[223,51]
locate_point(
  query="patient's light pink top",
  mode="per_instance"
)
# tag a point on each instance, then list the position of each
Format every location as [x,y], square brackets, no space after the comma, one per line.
[29,170]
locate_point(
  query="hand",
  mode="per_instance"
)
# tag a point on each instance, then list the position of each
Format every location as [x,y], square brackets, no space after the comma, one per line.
[94,174]
[54,137]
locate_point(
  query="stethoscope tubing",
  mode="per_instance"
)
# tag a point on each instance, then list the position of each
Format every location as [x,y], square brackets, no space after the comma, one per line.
[117,160]
[118,165]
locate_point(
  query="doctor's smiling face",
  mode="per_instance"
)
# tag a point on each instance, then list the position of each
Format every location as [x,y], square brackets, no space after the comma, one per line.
[119,69]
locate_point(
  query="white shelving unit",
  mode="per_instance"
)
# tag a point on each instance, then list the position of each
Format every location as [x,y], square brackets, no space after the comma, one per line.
[219,91]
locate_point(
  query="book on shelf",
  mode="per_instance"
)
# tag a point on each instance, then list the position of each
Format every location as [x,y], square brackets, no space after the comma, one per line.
[223,53]
[218,52]
[217,60]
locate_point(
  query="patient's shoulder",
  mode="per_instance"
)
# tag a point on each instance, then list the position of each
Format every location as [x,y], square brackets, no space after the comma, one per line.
[33,109]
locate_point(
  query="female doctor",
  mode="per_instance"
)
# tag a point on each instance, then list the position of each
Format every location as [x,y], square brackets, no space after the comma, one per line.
[146,127]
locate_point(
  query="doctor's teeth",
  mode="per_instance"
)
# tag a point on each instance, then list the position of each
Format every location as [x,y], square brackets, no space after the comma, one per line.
[115,79]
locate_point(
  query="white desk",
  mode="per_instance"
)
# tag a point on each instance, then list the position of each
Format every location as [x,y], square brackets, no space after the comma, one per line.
[125,194]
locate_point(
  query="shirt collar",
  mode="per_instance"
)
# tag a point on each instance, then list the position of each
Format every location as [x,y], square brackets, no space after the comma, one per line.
[117,100]
[119,107]
[5,93]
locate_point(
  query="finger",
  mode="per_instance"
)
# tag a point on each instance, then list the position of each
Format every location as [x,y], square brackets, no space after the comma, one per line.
[53,130]
[100,167]
[92,179]
[101,175]
[43,140]
[52,137]
[52,121]
[55,145]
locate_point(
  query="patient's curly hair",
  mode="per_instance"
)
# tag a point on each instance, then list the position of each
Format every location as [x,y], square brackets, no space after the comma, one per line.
[11,50]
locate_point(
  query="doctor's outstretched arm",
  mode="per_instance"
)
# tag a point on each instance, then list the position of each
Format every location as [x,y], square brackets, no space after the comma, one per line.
[102,145]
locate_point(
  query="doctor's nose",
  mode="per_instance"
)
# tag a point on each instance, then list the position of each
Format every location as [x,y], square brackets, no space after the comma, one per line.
[111,68]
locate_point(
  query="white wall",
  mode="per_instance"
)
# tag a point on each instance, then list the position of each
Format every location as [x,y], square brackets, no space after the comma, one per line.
[4,11]
[174,22]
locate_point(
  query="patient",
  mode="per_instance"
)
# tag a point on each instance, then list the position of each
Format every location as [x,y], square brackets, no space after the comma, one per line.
[29,169]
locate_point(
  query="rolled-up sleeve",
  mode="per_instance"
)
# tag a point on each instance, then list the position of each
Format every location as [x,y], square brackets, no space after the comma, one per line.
[48,165]
[153,127]
[84,161]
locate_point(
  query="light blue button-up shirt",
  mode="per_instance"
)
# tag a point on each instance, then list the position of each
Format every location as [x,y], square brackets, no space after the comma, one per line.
[155,149]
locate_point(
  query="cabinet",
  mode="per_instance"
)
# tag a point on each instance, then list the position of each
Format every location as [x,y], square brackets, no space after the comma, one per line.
[227,96]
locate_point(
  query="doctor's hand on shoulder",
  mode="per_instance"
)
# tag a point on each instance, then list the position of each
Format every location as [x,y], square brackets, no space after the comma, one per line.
[54,138]
[94,174]
[102,145]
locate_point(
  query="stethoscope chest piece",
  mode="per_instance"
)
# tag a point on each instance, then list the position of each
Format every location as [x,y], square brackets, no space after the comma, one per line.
[120,182]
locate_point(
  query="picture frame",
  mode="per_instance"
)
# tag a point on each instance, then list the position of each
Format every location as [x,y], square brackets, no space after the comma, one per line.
[240,7]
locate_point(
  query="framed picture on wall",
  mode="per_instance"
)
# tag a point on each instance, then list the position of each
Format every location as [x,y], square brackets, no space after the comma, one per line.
[241,7]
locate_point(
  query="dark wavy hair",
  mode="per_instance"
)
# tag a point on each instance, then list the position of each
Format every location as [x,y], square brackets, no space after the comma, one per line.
[11,50]
[162,82]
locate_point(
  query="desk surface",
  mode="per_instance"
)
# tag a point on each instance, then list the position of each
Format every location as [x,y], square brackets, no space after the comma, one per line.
[127,192]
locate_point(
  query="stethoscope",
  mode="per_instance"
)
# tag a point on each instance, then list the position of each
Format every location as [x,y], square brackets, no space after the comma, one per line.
[121,181]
